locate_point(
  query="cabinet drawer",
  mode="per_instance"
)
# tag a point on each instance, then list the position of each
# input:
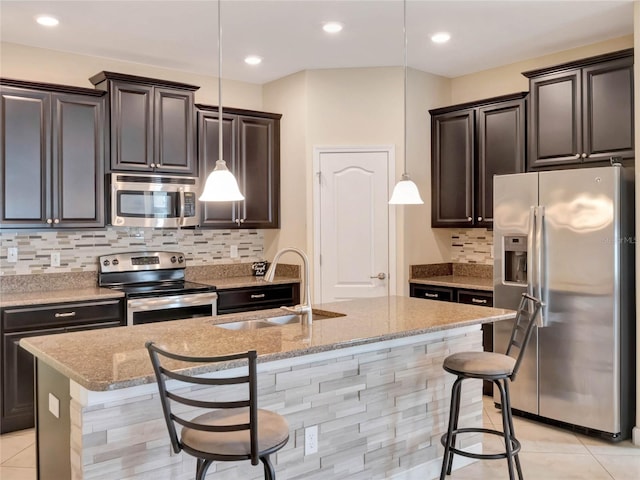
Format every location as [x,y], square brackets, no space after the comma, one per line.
[256,298]
[431,293]
[62,315]
[484,299]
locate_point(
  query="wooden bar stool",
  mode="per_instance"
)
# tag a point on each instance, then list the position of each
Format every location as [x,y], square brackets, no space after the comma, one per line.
[500,369]
[231,430]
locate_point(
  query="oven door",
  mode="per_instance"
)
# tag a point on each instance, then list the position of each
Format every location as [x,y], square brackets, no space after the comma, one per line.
[171,307]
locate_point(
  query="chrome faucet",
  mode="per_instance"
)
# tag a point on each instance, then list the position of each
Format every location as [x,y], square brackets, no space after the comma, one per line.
[304,307]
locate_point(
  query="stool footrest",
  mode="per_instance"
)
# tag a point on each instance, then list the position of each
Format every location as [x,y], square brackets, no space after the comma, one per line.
[515,444]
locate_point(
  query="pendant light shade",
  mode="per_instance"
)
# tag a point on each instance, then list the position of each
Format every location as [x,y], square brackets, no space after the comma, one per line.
[405,192]
[221,185]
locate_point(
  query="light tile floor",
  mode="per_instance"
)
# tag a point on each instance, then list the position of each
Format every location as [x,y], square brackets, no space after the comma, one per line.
[548,453]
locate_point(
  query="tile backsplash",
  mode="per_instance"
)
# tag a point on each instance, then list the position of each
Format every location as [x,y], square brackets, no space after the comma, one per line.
[79,249]
[472,245]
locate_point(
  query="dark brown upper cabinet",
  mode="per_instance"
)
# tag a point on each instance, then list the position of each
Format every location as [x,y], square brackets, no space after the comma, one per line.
[582,112]
[152,123]
[53,151]
[470,143]
[251,148]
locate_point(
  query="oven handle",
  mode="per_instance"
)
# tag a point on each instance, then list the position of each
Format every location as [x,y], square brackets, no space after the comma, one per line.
[146,304]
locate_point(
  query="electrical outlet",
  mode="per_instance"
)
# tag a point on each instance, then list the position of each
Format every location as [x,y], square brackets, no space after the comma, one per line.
[12,254]
[311,440]
[234,251]
[55,259]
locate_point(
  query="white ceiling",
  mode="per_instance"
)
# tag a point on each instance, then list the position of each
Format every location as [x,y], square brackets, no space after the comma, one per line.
[182,35]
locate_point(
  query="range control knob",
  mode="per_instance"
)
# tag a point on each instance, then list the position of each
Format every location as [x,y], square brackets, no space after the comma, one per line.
[180,259]
[106,263]
[173,259]
[115,261]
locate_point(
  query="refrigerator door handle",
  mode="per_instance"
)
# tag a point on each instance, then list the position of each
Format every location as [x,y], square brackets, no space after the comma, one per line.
[531,250]
[541,261]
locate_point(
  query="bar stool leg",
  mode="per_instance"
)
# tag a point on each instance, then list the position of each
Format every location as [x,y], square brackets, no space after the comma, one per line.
[269,472]
[447,459]
[506,412]
[202,467]
[513,435]
[458,394]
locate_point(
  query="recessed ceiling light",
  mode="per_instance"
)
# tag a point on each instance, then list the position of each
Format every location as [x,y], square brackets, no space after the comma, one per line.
[440,37]
[47,21]
[332,27]
[253,60]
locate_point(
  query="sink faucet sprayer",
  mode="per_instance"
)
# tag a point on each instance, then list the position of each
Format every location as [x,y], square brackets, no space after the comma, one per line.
[305,306]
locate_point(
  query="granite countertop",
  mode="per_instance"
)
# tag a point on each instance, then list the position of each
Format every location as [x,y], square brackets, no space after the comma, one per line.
[457,281]
[45,297]
[57,296]
[102,362]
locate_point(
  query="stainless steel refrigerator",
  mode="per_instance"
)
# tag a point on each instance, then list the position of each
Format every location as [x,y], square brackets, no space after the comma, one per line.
[567,237]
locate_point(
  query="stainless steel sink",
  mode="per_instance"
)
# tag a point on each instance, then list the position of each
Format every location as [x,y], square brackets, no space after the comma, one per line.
[294,318]
[245,325]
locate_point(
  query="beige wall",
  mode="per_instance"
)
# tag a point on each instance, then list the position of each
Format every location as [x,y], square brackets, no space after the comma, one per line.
[41,65]
[509,78]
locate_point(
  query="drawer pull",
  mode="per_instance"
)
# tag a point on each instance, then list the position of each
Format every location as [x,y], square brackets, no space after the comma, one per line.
[259,295]
[479,300]
[431,295]
[65,314]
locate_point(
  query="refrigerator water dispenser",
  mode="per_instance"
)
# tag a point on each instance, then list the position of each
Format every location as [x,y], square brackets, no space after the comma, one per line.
[515,259]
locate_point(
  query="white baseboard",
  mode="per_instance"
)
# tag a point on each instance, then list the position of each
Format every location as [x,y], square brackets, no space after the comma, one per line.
[636,436]
[431,469]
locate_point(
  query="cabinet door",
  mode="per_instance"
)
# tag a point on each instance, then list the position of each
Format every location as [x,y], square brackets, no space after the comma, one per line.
[555,121]
[173,131]
[25,157]
[608,110]
[431,292]
[452,160]
[17,381]
[131,126]
[260,172]
[501,150]
[217,214]
[258,298]
[78,160]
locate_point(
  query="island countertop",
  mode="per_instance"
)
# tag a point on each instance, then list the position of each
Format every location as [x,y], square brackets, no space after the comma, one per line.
[112,359]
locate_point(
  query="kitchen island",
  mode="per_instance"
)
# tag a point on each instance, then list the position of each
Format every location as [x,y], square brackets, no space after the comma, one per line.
[370,377]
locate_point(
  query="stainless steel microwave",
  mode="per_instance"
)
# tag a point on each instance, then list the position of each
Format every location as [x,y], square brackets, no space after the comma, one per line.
[159,201]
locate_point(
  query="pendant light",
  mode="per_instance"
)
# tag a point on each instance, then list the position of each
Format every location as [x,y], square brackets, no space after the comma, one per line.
[221,185]
[405,192]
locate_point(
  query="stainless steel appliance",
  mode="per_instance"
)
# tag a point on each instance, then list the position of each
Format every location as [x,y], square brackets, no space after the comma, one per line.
[155,287]
[159,201]
[567,237]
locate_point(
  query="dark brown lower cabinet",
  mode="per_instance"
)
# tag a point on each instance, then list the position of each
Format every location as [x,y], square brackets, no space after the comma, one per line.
[459,295]
[245,299]
[17,399]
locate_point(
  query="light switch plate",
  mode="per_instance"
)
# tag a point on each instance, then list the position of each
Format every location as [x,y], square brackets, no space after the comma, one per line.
[12,254]
[54,405]
[55,259]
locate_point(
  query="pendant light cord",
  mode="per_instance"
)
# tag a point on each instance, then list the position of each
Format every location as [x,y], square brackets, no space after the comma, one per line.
[219,83]
[404,31]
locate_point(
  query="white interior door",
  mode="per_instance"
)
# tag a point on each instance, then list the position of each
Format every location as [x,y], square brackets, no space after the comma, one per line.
[352,223]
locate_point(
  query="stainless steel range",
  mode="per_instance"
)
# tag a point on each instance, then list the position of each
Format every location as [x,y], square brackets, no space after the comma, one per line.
[155,287]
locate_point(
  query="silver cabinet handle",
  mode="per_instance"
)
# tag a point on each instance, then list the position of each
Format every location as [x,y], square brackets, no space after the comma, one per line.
[479,219]
[49,221]
[57,220]
[431,295]
[152,165]
[577,155]
[584,155]
[479,300]
[380,276]
[258,295]
[469,219]
[65,314]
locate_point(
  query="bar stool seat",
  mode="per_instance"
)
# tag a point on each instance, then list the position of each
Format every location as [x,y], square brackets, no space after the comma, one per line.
[496,367]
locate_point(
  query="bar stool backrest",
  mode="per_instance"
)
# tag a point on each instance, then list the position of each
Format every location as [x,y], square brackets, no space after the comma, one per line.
[523,327]
[158,356]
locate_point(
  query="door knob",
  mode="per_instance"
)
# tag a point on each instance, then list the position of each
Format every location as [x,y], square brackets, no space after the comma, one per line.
[380,276]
